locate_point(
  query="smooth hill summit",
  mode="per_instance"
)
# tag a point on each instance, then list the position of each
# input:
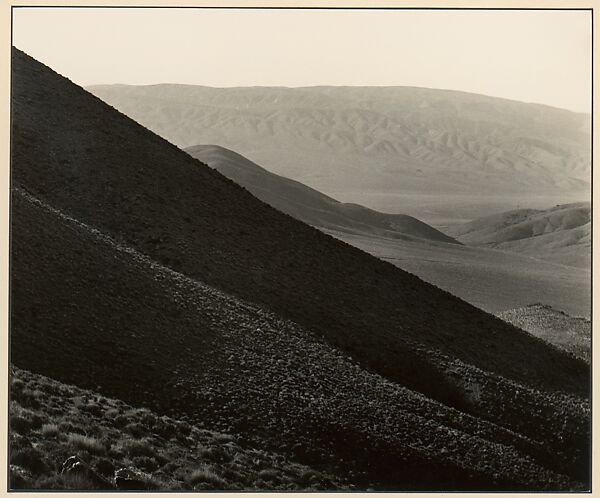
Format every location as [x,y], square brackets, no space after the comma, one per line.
[144,275]
[561,234]
[309,205]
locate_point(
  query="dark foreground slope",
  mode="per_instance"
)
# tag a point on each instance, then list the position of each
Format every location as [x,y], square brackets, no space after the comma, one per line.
[309,205]
[106,317]
[76,153]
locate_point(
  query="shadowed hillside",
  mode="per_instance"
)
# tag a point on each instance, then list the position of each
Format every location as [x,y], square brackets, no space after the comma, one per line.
[365,144]
[561,234]
[131,260]
[243,370]
[309,205]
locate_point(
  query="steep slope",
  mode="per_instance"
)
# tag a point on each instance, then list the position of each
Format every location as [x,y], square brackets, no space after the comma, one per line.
[106,317]
[82,157]
[309,205]
[133,236]
[567,332]
[359,144]
[561,234]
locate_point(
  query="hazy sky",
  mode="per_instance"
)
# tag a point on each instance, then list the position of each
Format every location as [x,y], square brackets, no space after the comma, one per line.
[532,56]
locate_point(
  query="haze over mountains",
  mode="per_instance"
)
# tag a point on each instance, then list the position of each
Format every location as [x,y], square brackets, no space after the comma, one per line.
[143,274]
[395,149]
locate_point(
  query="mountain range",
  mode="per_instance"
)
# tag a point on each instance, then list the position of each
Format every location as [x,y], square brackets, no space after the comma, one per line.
[438,155]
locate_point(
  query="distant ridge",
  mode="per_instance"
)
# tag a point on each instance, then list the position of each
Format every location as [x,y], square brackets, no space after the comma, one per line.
[309,205]
[561,234]
[377,146]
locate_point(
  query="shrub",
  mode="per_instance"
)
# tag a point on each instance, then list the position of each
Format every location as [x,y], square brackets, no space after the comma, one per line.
[50,430]
[18,478]
[148,464]
[121,421]
[92,408]
[143,447]
[269,475]
[205,478]
[73,481]
[136,430]
[66,427]
[87,443]
[19,424]
[30,459]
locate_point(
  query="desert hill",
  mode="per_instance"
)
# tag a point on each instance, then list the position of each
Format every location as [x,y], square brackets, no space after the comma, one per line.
[309,205]
[567,332]
[245,371]
[381,146]
[561,234]
[281,333]
[489,279]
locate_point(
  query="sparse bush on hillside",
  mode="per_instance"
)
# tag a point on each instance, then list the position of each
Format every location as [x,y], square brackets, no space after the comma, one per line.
[153,463]
[206,478]
[87,443]
[50,430]
[139,448]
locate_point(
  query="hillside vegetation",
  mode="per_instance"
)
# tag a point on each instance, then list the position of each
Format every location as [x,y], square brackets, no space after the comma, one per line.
[142,274]
[64,437]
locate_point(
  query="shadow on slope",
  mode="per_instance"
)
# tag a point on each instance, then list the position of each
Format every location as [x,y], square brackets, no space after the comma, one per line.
[309,205]
[106,317]
[82,157]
